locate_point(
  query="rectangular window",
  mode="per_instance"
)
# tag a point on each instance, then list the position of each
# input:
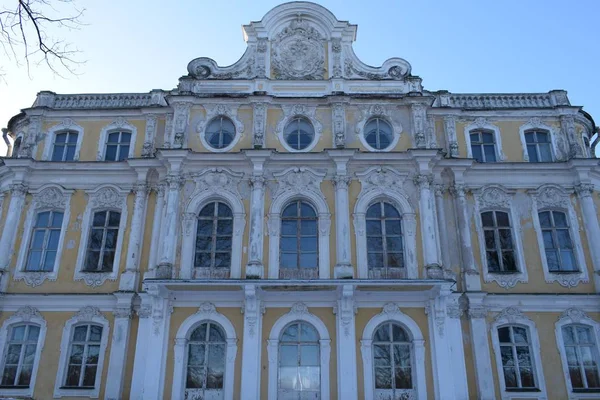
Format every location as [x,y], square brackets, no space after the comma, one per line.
[84,352]
[117,146]
[517,357]
[557,242]
[65,144]
[582,356]
[483,146]
[43,244]
[19,356]
[102,243]
[499,248]
[538,146]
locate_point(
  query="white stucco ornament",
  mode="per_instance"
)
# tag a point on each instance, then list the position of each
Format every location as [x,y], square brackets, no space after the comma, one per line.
[298,52]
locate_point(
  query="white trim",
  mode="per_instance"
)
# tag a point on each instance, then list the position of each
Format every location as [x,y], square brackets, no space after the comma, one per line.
[106,197]
[378,111]
[299,110]
[391,313]
[537,124]
[512,316]
[299,184]
[206,313]
[384,190]
[86,315]
[66,124]
[554,198]
[578,317]
[120,124]
[482,123]
[498,198]
[213,185]
[48,198]
[299,312]
[24,315]
[228,111]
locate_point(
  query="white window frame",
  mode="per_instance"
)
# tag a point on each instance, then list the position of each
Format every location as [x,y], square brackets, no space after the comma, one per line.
[391,313]
[299,312]
[578,317]
[120,124]
[211,186]
[47,198]
[497,198]
[378,111]
[298,110]
[368,197]
[86,315]
[206,313]
[66,124]
[109,198]
[536,124]
[514,316]
[24,315]
[555,198]
[299,184]
[483,124]
[216,110]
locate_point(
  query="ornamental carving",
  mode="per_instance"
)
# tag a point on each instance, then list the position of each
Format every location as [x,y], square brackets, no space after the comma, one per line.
[27,313]
[511,315]
[419,117]
[206,308]
[391,309]
[96,279]
[298,52]
[88,313]
[397,69]
[181,116]
[551,196]
[291,111]
[148,147]
[35,279]
[346,309]
[383,178]
[299,309]
[107,197]
[575,315]
[216,180]
[299,180]
[259,117]
[50,198]
[493,197]
[584,189]
[214,110]
[339,124]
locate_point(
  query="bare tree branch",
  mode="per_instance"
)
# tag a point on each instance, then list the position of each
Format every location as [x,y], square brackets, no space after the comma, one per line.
[28,30]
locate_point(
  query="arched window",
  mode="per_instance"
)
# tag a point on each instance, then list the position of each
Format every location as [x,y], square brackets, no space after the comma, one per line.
[117,146]
[44,241]
[558,246]
[84,354]
[214,237]
[299,362]
[220,132]
[299,241]
[20,355]
[392,362]
[582,356]
[206,355]
[102,244]
[385,248]
[378,133]
[517,357]
[483,146]
[65,145]
[499,247]
[299,133]
[539,147]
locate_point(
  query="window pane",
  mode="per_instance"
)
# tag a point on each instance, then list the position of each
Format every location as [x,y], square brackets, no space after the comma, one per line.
[382,334]
[196,354]
[508,261]
[487,218]
[70,156]
[568,260]
[527,380]
[53,239]
[309,355]
[57,219]
[493,261]
[490,153]
[93,354]
[393,227]
[383,378]
[34,332]
[76,354]
[545,152]
[9,375]
[290,334]
[108,260]
[72,137]
[394,244]
[25,376]
[222,260]
[505,239]
[123,152]
[57,153]
[111,153]
[195,378]
[289,243]
[504,334]
[529,137]
[216,357]
[510,378]
[18,332]
[113,137]
[288,355]
[125,137]
[402,355]
[308,260]
[13,353]
[288,377]
[110,241]
[308,244]
[73,374]
[552,259]
[33,263]
[289,260]
[375,260]
[99,218]
[374,244]
[95,333]
[520,335]
[37,241]
[560,219]
[114,218]
[477,153]
[403,378]
[502,218]
[308,333]
[568,335]
[289,227]
[89,377]
[43,219]
[576,378]
[584,335]
[532,153]
[487,137]
[60,138]
[309,379]
[49,261]
[548,239]
[225,227]
[374,211]
[308,228]
[545,221]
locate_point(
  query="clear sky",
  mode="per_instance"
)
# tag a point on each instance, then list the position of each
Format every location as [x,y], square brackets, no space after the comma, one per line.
[459,45]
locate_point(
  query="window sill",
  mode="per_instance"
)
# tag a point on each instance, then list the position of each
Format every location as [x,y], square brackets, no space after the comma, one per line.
[526,390]
[77,388]
[504,272]
[96,272]
[586,390]
[565,272]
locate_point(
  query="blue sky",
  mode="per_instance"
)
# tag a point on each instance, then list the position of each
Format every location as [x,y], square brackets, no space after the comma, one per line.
[459,45]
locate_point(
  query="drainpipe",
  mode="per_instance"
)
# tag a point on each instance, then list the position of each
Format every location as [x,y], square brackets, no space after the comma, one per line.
[8,145]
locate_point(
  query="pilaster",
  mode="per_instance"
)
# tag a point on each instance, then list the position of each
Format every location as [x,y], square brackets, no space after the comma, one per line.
[480,346]
[592,228]
[17,198]
[345,311]
[169,232]
[428,220]
[144,313]
[343,267]
[156,227]
[253,311]
[119,346]
[450,130]
[255,267]
[471,278]
[130,278]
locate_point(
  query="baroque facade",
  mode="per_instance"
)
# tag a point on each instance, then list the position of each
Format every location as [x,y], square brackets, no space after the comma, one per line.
[300,225]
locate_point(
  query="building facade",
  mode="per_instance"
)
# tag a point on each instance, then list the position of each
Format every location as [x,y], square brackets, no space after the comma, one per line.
[300,225]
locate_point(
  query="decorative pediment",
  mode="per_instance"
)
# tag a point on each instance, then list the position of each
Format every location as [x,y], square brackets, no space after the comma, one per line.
[299,180]
[383,178]
[228,110]
[107,197]
[216,180]
[493,197]
[511,315]
[50,198]
[552,196]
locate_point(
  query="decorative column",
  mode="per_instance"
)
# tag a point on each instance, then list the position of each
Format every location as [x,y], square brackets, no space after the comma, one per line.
[427,213]
[255,267]
[454,311]
[259,118]
[149,135]
[567,125]
[169,231]
[253,311]
[339,125]
[592,228]
[442,224]
[181,116]
[156,226]
[119,345]
[419,120]
[18,191]
[346,344]
[29,141]
[141,348]
[470,275]
[480,346]
[343,267]
[129,278]
[450,129]
[157,343]
[441,357]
